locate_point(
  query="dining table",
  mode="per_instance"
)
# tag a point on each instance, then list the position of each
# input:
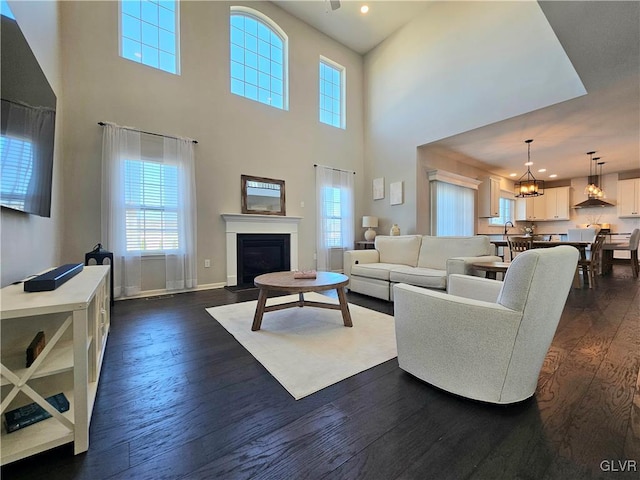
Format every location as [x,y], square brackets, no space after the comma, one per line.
[580,245]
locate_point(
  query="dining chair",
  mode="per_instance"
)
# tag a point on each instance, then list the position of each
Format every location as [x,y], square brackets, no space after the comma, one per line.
[631,247]
[591,265]
[519,244]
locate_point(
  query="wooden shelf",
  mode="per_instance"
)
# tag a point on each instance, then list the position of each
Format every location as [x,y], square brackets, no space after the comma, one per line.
[58,361]
[80,308]
[38,437]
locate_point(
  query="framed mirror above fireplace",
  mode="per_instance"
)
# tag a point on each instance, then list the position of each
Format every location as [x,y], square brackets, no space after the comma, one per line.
[262,195]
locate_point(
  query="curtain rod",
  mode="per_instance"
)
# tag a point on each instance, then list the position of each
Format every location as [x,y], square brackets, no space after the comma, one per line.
[336,169]
[102,124]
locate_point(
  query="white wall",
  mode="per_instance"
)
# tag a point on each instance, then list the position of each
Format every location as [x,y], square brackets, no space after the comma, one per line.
[458,66]
[236,136]
[31,244]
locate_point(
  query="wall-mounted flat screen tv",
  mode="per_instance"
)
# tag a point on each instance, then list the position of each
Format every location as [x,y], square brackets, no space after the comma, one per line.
[27,125]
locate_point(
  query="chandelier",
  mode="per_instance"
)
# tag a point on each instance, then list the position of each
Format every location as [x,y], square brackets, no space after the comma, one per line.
[593,190]
[528,185]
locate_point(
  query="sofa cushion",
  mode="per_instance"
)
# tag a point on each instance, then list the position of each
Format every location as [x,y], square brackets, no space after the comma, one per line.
[373,270]
[435,251]
[421,277]
[401,250]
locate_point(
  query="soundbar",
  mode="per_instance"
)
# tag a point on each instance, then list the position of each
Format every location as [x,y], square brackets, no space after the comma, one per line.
[53,278]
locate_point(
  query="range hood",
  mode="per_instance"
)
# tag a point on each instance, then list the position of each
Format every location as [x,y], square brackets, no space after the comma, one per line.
[593,201]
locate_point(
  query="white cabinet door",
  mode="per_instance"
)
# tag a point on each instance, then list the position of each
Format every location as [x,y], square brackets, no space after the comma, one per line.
[629,198]
[489,198]
[557,203]
[530,209]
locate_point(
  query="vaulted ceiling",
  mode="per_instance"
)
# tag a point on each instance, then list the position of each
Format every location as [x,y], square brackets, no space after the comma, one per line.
[602,41]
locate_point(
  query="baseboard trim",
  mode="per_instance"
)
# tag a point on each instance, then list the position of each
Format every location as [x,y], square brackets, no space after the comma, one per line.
[164,291]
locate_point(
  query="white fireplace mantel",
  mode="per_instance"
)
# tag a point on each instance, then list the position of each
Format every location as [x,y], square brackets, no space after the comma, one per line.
[250,223]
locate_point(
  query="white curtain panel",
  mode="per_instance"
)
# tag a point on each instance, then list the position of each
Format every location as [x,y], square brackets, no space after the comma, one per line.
[335,216]
[126,150]
[118,144]
[181,264]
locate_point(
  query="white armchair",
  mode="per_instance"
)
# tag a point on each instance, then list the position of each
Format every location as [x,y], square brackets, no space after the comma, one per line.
[486,339]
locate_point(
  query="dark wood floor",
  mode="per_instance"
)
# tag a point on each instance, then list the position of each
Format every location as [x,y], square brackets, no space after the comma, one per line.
[180,398]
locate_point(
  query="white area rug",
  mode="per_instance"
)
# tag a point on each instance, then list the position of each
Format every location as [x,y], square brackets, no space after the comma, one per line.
[307,349]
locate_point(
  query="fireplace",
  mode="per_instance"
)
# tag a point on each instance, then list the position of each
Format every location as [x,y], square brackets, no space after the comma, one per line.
[239,224]
[260,253]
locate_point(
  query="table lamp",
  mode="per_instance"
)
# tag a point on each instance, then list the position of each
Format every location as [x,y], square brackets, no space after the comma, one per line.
[370,223]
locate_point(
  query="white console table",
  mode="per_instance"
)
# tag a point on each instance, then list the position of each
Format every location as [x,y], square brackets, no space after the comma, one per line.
[75,319]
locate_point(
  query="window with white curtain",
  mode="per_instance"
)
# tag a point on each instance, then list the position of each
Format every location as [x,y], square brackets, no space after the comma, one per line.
[452,209]
[506,210]
[148,206]
[335,203]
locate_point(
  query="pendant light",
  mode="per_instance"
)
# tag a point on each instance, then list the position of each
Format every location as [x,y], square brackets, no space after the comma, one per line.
[600,193]
[528,185]
[592,190]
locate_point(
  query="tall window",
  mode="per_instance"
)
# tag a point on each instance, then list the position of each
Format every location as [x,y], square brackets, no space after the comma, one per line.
[151,199]
[331,107]
[258,66]
[452,208]
[149,33]
[332,217]
[507,206]
[335,203]
[148,206]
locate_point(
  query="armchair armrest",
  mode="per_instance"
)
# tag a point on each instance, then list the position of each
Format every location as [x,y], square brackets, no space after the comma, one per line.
[462,265]
[353,257]
[477,288]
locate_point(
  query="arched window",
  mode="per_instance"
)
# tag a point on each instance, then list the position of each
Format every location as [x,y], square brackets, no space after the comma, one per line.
[259,53]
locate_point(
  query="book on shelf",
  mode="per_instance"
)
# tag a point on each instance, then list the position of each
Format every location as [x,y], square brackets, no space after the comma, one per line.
[33,413]
[35,348]
[304,274]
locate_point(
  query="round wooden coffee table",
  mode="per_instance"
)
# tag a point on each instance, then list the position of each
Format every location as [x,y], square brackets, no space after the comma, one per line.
[284,282]
[491,268]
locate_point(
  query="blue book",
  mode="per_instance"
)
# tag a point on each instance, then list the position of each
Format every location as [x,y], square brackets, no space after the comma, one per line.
[32,413]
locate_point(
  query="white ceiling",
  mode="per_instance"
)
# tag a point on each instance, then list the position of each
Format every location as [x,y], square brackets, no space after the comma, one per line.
[602,40]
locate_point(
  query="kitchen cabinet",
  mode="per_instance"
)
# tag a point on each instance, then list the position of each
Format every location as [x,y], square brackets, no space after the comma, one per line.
[530,209]
[629,198]
[489,198]
[553,205]
[557,203]
[75,321]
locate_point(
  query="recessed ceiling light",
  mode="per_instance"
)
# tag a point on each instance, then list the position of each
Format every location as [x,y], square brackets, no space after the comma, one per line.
[553,175]
[542,170]
[513,174]
[364,9]
[528,163]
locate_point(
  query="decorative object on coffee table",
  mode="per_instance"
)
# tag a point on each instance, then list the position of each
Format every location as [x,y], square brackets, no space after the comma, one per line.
[301,274]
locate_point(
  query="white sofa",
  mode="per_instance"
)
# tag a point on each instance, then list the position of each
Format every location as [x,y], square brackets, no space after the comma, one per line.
[420,260]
